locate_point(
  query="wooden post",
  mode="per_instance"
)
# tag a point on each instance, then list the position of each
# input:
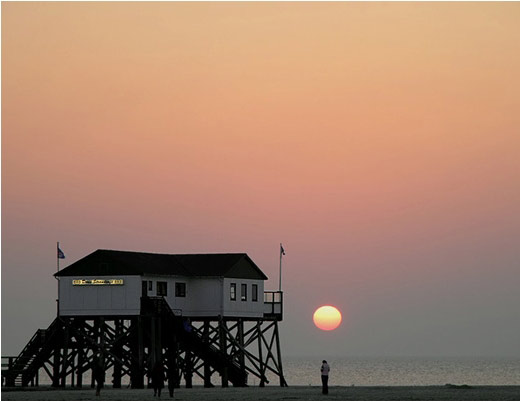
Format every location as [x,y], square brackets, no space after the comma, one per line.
[118,325]
[79,369]
[152,347]
[137,371]
[159,340]
[94,352]
[177,368]
[261,362]
[171,365]
[73,355]
[279,356]
[155,340]
[63,374]
[56,367]
[188,368]
[207,371]
[240,336]
[222,341]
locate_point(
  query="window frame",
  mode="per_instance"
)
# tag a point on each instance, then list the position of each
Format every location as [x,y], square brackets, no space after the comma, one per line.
[159,288]
[254,292]
[233,292]
[244,292]
[178,287]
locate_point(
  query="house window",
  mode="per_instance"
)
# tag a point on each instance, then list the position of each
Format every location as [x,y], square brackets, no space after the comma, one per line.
[180,289]
[233,291]
[244,292]
[254,296]
[149,285]
[161,288]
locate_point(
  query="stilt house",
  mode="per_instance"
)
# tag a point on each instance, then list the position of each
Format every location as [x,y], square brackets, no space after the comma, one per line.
[202,315]
[109,282]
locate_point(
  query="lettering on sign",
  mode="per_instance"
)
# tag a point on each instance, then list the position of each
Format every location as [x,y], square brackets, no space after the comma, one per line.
[81,282]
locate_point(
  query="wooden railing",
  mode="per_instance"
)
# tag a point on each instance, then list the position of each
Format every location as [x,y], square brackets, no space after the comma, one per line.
[273,305]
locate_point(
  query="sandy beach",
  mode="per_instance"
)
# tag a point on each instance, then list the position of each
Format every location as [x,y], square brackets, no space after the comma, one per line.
[272,393]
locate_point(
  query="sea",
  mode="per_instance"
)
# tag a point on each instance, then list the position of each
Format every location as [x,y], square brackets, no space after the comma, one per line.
[374,371]
[380,371]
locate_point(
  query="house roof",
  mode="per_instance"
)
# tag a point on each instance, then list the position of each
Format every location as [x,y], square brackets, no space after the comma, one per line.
[113,262]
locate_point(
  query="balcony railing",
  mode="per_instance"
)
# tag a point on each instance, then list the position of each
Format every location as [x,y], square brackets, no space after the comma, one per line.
[273,305]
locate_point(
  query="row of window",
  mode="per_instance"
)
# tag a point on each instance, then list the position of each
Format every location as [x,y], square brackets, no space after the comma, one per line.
[244,292]
[162,288]
[180,290]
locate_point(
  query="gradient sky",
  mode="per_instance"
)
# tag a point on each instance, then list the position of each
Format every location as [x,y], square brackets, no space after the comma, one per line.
[379,142]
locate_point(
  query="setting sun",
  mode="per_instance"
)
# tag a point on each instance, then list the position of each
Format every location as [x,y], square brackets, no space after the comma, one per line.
[327,318]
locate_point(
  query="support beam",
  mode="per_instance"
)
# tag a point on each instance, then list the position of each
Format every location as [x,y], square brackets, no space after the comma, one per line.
[234,347]
[207,368]
[262,370]
[116,376]
[56,367]
[65,356]
[189,368]
[79,372]
[279,357]
[222,342]
[95,335]
[138,353]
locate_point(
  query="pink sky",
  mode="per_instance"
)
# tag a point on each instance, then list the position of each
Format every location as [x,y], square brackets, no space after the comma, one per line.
[379,142]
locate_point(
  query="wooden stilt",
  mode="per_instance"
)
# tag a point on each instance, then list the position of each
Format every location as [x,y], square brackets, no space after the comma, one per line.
[233,347]
[138,373]
[261,362]
[94,351]
[56,367]
[279,357]
[79,372]
[207,369]
[240,339]
[189,370]
[171,367]
[158,340]
[116,382]
[73,359]
[222,341]
[64,365]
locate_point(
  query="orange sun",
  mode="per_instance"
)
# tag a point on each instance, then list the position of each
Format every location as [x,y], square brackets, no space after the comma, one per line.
[327,318]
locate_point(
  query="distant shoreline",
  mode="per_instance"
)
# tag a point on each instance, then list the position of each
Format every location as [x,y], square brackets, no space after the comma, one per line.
[273,393]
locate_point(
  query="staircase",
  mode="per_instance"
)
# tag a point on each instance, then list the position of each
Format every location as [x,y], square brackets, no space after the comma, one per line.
[191,340]
[25,367]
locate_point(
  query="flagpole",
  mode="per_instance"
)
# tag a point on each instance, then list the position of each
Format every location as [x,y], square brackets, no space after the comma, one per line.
[58,283]
[280,268]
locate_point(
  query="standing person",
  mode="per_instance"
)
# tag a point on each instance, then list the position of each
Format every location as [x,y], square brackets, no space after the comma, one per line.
[158,378]
[324,371]
[98,371]
[170,374]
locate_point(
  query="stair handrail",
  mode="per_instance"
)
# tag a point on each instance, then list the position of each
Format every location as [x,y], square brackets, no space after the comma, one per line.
[229,359]
[28,346]
[21,365]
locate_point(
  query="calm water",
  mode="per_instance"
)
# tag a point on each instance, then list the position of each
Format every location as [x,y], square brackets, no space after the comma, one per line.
[403,371]
[381,371]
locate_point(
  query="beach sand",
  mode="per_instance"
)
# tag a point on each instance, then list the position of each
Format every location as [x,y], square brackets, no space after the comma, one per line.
[272,393]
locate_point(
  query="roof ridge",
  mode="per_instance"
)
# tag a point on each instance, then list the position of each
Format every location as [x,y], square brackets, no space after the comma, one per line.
[155,253]
[138,263]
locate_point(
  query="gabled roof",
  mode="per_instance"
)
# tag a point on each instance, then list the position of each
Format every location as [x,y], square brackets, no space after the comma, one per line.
[112,262]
